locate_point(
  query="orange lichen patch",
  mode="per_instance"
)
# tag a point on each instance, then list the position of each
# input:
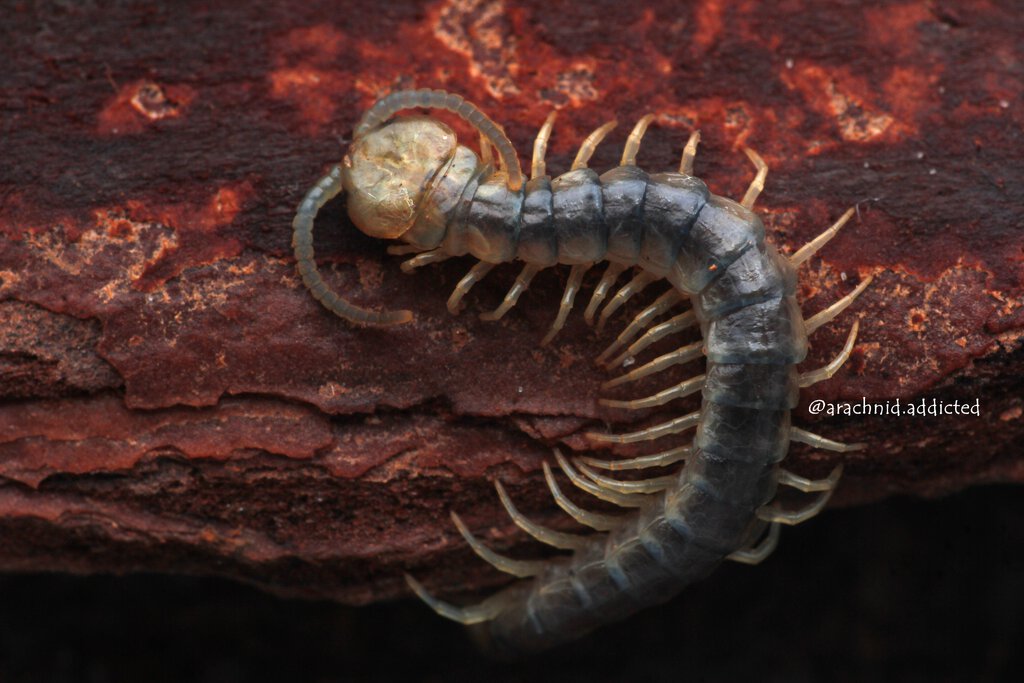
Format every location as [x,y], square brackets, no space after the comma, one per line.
[897,27]
[708,16]
[143,102]
[41,438]
[847,99]
[322,42]
[481,32]
[312,90]
[1013,413]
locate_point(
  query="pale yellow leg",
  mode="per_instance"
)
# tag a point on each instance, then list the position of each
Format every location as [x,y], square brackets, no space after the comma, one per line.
[426,258]
[756,185]
[520,568]
[654,335]
[471,614]
[675,426]
[821,374]
[576,274]
[690,386]
[475,274]
[662,459]
[818,441]
[805,485]
[805,252]
[633,141]
[642,486]
[521,284]
[601,291]
[689,153]
[661,304]
[761,551]
[620,499]
[681,355]
[557,539]
[822,317]
[594,520]
[634,286]
[590,144]
[538,169]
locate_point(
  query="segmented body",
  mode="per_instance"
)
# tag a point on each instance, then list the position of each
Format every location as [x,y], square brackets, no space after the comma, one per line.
[668,226]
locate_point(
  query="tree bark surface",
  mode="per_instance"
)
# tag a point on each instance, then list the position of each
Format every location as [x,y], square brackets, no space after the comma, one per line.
[173,399]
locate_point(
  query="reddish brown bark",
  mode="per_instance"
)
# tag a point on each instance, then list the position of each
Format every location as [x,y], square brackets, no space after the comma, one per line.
[174,400]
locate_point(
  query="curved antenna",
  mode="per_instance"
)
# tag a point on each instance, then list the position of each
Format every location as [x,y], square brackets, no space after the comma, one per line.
[390,105]
[326,189]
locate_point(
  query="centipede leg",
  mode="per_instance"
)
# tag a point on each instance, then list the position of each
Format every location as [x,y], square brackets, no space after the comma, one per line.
[633,141]
[520,568]
[557,539]
[675,426]
[806,485]
[689,153]
[634,286]
[521,284]
[821,374]
[773,513]
[828,314]
[594,520]
[642,486]
[761,551]
[590,144]
[757,184]
[611,274]
[538,169]
[805,252]
[475,274]
[471,614]
[596,490]
[818,441]
[568,297]
[662,304]
[681,355]
[426,258]
[662,459]
[685,388]
[655,334]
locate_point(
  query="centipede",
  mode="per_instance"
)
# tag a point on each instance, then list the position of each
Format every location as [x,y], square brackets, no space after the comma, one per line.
[407,179]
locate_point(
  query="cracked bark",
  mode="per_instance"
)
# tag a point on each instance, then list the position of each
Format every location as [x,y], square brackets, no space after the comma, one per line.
[173,400]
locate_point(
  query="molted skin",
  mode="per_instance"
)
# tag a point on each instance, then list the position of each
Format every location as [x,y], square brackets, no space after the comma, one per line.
[711,249]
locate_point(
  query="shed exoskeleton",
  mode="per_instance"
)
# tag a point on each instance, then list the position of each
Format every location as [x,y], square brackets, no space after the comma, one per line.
[408,179]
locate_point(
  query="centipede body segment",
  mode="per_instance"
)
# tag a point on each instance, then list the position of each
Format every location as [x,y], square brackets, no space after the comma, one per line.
[408,179]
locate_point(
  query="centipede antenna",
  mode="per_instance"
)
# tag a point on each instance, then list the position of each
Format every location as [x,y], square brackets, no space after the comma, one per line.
[642,486]
[538,169]
[660,305]
[520,568]
[475,274]
[620,499]
[760,552]
[633,141]
[590,144]
[818,441]
[821,374]
[471,614]
[634,286]
[757,184]
[690,386]
[390,105]
[689,153]
[805,252]
[595,520]
[557,539]
[424,259]
[681,355]
[662,459]
[675,426]
[654,335]
[486,158]
[611,274]
[787,478]
[576,274]
[326,189]
[773,513]
[826,315]
[521,284]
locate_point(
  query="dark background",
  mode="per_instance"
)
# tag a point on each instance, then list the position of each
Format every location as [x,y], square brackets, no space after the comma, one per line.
[906,590]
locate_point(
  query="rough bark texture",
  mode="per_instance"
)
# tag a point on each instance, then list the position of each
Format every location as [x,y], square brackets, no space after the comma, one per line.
[174,400]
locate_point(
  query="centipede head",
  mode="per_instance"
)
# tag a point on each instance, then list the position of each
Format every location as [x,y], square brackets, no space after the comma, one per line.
[389,171]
